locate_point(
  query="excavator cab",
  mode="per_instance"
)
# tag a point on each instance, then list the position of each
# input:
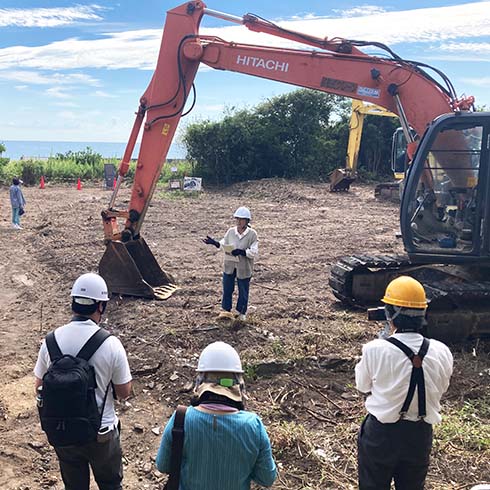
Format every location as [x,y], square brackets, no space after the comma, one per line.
[446,203]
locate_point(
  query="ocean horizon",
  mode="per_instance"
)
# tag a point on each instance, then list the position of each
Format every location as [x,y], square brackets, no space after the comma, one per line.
[17,149]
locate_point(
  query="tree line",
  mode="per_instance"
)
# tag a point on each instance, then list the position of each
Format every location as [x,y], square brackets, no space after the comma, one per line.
[302,134]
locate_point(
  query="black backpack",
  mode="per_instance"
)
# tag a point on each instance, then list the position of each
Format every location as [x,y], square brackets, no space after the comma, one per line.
[68,408]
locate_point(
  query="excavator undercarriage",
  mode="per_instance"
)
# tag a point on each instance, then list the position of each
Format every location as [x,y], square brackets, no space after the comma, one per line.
[459,296]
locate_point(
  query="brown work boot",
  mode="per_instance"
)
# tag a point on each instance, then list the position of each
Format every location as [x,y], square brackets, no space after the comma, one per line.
[225,315]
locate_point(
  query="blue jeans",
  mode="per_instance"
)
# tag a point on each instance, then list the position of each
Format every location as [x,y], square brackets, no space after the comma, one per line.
[15,216]
[229,287]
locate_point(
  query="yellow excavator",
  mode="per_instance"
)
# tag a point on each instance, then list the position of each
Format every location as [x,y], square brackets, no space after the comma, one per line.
[341,178]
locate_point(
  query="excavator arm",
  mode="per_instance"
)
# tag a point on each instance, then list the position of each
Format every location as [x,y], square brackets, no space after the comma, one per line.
[341,178]
[335,66]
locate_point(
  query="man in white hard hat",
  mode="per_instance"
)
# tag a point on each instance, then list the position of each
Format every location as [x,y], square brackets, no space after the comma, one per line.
[241,247]
[80,367]
[225,446]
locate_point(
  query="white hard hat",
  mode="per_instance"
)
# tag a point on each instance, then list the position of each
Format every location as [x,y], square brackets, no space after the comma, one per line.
[219,357]
[243,212]
[90,286]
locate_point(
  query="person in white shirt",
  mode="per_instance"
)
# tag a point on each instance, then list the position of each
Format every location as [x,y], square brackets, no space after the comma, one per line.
[103,456]
[405,376]
[241,246]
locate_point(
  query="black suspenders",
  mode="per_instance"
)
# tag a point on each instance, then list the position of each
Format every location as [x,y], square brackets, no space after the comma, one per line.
[417,378]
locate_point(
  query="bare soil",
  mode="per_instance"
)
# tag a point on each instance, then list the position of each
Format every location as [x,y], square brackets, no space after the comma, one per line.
[299,345]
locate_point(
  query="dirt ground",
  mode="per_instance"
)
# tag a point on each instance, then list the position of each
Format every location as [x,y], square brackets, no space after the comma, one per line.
[298,344]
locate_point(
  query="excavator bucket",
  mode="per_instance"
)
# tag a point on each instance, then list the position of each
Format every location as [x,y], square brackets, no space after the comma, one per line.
[341,179]
[130,269]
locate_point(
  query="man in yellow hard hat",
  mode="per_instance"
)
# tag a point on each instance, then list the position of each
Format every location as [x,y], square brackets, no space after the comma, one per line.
[405,376]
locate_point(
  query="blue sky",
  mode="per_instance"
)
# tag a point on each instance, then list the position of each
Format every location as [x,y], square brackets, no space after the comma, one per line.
[74,71]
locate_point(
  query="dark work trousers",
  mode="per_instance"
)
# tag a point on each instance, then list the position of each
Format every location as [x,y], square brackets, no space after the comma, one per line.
[229,287]
[398,451]
[105,459]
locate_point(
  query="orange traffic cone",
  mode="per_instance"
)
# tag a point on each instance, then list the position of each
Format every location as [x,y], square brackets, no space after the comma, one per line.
[79,185]
[114,183]
[41,183]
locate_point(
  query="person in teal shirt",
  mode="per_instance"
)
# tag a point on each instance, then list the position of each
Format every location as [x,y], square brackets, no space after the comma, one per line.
[225,446]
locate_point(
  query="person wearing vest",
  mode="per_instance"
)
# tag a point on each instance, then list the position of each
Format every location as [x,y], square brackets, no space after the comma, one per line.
[241,247]
[405,375]
[224,446]
[92,442]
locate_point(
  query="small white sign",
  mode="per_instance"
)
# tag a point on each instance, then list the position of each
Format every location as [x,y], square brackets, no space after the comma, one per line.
[192,183]
[368,91]
[173,169]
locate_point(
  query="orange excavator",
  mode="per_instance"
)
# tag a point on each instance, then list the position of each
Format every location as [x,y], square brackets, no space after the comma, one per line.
[445,209]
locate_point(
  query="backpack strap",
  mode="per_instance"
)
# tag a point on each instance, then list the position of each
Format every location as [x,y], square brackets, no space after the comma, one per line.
[417,379]
[53,347]
[93,343]
[177,448]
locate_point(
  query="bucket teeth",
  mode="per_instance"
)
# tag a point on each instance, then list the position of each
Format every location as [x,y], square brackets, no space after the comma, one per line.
[164,292]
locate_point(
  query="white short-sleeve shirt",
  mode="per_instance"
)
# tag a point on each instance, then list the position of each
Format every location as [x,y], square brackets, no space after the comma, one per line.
[384,371]
[110,362]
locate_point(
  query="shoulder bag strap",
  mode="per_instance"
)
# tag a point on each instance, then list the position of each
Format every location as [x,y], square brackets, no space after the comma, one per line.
[93,343]
[177,447]
[53,347]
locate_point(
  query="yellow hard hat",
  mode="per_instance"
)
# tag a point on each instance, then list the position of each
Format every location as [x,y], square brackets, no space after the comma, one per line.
[406,292]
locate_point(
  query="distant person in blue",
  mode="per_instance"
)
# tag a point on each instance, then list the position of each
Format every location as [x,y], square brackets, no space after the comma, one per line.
[225,447]
[18,202]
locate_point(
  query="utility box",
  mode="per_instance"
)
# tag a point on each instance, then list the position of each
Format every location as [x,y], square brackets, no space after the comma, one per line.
[109,175]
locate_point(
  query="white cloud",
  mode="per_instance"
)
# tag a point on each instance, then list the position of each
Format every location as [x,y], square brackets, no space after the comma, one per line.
[57,92]
[139,49]
[101,93]
[470,51]
[360,11]
[66,103]
[131,49]
[37,78]
[477,82]
[20,87]
[48,17]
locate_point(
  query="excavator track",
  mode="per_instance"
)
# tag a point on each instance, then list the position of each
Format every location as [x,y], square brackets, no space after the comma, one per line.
[459,296]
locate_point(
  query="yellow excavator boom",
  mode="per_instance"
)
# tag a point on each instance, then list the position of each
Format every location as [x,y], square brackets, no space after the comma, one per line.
[341,178]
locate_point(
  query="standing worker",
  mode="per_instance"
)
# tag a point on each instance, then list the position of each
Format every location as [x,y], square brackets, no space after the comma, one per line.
[18,202]
[406,376]
[241,247]
[80,367]
[224,446]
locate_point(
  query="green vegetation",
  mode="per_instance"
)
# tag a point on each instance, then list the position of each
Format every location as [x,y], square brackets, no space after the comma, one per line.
[302,134]
[86,164]
[467,427]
